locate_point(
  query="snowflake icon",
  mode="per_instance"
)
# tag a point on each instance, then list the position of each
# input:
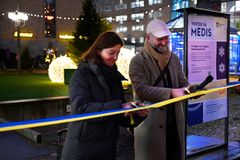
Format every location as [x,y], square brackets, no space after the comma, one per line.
[222,68]
[221,51]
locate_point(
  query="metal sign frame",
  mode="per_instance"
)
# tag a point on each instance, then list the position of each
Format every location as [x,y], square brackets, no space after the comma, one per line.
[203,12]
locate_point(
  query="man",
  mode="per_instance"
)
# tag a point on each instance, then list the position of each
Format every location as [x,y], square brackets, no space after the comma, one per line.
[157,75]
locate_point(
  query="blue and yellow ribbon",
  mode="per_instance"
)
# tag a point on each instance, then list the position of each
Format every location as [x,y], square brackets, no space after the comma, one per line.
[8,126]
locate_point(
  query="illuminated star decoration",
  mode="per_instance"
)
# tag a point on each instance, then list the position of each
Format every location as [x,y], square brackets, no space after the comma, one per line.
[56,68]
[222,68]
[221,51]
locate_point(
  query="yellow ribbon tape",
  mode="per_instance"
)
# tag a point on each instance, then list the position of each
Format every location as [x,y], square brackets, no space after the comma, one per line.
[156,105]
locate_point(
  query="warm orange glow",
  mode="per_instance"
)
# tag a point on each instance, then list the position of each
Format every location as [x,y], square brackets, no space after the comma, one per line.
[49,18]
[66,36]
[28,35]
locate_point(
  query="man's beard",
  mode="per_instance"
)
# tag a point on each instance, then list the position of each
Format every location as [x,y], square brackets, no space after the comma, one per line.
[161,50]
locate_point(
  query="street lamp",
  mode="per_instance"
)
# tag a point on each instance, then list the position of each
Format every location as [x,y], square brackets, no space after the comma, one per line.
[19,19]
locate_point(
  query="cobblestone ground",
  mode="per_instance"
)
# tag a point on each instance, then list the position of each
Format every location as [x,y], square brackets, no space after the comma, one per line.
[212,129]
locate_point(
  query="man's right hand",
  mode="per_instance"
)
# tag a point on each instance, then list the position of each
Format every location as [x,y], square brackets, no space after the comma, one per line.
[177,92]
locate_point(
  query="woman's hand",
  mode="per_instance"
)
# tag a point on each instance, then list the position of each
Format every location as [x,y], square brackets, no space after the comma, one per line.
[127,105]
[141,113]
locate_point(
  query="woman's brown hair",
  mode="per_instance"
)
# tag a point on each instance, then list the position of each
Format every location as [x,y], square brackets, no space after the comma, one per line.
[105,40]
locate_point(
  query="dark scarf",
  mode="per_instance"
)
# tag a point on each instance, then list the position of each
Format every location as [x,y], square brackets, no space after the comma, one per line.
[113,78]
[111,73]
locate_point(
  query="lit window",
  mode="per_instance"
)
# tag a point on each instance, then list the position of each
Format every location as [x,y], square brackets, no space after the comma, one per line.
[237,5]
[141,40]
[137,16]
[151,2]
[125,38]
[224,7]
[121,29]
[109,19]
[137,3]
[121,18]
[138,28]
[179,5]
[120,6]
[195,2]
[133,40]
[155,14]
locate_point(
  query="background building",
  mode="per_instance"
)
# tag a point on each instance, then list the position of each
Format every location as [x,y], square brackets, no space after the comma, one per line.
[130,17]
[50,23]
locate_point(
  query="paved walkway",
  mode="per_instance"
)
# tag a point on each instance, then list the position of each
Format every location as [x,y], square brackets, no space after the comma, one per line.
[15,147]
[19,148]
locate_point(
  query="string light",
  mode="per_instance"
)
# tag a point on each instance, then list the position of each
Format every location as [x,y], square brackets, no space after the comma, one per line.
[66,18]
[74,18]
[43,16]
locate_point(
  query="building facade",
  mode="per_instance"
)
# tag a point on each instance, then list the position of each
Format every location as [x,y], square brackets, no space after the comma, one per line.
[130,17]
[50,23]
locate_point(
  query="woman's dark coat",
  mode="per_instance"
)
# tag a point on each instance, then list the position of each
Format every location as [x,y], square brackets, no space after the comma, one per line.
[96,138]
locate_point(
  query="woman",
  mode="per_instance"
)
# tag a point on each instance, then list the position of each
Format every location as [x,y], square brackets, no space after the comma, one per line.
[96,86]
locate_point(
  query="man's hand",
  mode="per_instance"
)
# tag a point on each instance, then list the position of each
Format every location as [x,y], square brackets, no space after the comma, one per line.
[177,92]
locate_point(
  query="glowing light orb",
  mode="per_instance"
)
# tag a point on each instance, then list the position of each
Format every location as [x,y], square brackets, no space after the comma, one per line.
[56,68]
[123,62]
